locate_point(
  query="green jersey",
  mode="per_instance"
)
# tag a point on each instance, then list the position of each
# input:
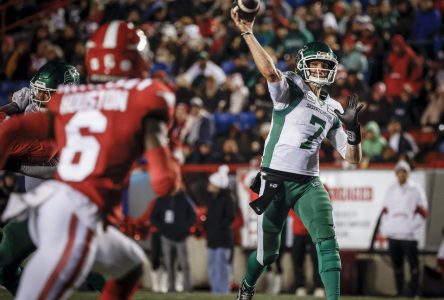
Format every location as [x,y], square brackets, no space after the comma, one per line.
[300,122]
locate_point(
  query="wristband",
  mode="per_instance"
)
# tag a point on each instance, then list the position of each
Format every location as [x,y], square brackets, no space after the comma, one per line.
[246,33]
[354,136]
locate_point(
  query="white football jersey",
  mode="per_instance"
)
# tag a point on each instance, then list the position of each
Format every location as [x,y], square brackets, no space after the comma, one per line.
[300,122]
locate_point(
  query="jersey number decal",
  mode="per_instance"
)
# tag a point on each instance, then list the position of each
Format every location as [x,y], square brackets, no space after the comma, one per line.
[314,120]
[79,157]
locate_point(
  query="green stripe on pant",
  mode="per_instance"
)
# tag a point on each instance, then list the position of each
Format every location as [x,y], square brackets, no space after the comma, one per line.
[312,204]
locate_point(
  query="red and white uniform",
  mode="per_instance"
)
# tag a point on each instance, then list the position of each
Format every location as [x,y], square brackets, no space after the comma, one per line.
[405,207]
[99,131]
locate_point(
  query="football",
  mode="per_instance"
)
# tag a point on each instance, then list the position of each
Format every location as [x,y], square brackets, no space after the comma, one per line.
[247,9]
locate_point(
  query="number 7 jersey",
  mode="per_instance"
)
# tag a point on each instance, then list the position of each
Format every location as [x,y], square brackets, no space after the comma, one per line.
[300,122]
[100,133]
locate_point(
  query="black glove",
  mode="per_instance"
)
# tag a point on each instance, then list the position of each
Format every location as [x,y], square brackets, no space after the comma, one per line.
[350,119]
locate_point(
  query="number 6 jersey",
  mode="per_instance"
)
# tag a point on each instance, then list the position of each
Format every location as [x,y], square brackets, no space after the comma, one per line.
[300,122]
[99,131]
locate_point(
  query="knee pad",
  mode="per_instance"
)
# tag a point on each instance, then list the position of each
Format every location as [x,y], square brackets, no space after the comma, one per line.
[328,255]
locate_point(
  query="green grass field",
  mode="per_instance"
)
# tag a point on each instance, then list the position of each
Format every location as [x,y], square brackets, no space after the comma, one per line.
[202,296]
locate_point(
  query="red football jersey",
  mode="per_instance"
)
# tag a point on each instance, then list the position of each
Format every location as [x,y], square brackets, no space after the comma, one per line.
[99,131]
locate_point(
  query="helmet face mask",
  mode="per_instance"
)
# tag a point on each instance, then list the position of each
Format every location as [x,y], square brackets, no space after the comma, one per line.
[48,78]
[317,52]
[40,95]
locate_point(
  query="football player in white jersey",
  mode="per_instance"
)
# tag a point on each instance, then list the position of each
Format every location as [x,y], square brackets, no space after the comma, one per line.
[303,115]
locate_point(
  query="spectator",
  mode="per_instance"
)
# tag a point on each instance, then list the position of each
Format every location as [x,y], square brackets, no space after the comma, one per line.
[212,95]
[202,68]
[266,33]
[18,63]
[294,38]
[198,132]
[406,16]
[38,59]
[373,9]
[340,12]
[401,68]
[302,244]
[373,143]
[238,93]
[400,141]
[355,83]
[315,19]
[426,28]
[373,49]
[7,48]
[353,57]
[388,156]
[386,20]
[230,153]
[331,39]
[433,114]
[339,89]
[403,108]
[377,106]
[404,209]
[330,24]
[259,97]
[173,217]
[220,215]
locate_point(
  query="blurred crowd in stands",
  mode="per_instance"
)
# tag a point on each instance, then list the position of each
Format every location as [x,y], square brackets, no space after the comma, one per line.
[390,52]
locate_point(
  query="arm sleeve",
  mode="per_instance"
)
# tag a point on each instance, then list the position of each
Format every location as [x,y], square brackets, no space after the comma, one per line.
[279,93]
[163,169]
[23,128]
[338,138]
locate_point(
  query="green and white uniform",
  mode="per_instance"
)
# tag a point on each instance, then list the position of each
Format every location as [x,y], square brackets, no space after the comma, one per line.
[300,122]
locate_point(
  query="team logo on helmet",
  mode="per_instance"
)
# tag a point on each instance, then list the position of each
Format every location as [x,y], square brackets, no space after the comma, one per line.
[71,76]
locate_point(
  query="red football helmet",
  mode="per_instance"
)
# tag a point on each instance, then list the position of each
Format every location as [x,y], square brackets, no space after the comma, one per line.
[117,50]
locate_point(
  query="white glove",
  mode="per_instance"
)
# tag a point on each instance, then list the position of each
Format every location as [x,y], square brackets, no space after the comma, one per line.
[22,98]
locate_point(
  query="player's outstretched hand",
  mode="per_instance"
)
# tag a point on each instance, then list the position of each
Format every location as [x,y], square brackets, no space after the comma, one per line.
[241,25]
[350,119]
[351,112]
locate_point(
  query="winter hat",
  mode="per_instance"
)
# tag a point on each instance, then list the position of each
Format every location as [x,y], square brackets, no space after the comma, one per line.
[402,165]
[220,178]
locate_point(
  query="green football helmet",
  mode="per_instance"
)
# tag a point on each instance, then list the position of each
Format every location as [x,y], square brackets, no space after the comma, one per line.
[316,51]
[48,78]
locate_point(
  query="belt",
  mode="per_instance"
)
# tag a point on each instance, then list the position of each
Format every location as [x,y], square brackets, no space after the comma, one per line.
[286,176]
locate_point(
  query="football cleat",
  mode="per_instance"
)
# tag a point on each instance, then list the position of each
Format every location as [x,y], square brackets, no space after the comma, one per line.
[245,292]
